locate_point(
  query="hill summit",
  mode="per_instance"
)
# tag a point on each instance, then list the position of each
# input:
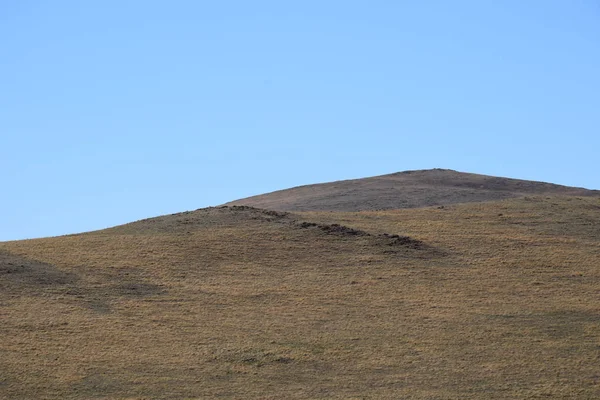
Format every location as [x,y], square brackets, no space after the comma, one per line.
[408,189]
[482,300]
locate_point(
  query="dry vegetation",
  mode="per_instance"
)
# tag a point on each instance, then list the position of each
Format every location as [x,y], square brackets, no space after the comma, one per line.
[408,189]
[492,300]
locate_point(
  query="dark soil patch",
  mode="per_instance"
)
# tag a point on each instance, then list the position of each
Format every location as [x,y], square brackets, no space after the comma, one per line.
[333,229]
[406,241]
[257,213]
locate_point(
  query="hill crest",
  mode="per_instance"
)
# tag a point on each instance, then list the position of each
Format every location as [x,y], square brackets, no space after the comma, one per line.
[407,189]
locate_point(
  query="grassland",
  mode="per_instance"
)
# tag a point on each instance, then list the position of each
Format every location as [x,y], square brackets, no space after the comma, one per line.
[408,189]
[496,300]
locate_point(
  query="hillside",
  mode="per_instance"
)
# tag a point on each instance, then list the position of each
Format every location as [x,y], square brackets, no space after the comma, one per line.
[409,189]
[487,300]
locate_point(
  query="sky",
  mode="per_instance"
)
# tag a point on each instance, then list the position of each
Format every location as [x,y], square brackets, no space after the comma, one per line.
[112,111]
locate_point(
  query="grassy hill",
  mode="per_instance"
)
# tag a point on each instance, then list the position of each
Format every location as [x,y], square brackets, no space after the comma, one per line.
[489,300]
[407,189]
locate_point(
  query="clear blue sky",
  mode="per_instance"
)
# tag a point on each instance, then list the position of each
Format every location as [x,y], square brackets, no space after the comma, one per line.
[112,111]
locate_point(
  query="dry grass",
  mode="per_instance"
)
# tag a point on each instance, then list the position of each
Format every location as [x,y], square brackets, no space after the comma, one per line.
[236,303]
[408,189]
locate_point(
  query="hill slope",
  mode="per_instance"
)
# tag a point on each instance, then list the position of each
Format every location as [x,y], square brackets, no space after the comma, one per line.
[407,189]
[488,300]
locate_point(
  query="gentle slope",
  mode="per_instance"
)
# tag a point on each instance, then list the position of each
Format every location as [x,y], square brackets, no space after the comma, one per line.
[409,189]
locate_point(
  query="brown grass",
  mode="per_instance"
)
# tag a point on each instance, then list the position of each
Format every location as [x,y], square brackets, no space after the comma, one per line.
[408,189]
[501,301]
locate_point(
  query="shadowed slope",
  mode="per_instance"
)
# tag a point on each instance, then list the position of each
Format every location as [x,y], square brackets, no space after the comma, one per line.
[491,300]
[185,306]
[408,189]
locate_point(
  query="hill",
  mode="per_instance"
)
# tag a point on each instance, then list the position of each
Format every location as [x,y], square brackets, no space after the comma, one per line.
[409,189]
[489,300]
